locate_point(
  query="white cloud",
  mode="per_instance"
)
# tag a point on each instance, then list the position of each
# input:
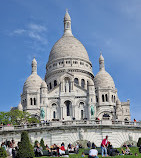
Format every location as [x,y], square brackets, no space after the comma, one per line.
[35,33]
[18,31]
[37,28]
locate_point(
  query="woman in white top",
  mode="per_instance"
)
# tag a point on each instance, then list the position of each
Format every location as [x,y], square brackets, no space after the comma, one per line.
[93,153]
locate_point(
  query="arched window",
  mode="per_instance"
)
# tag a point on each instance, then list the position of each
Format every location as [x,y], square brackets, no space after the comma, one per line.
[106,97]
[68,110]
[30,101]
[97,99]
[114,99]
[50,86]
[68,107]
[82,114]
[76,81]
[87,84]
[55,83]
[102,97]
[34,101]
[53,104]
[68,25]
[54,114]
[82,83]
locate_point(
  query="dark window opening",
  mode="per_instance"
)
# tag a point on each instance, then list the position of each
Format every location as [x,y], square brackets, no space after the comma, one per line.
[50,86]
[34,101]
[76,81]
[54,114]
[102,98]
[55,83]
[82,83]
[97,99]
[30,101]
[82,114]
[106,97]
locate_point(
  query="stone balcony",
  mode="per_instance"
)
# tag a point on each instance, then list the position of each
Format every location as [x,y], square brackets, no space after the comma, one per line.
[76,123]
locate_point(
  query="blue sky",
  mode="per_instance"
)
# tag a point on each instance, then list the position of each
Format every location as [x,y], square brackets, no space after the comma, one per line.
[30,28]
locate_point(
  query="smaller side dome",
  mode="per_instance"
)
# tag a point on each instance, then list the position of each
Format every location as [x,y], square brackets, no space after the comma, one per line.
[43,85]
[103,79]
[34,81]
[20,107]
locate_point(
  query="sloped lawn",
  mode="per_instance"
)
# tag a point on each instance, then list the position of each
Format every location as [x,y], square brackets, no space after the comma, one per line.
[133,151]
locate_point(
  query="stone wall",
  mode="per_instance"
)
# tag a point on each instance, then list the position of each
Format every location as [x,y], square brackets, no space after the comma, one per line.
[118,134]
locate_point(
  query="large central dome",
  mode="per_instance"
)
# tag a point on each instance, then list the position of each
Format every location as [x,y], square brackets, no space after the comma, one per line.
[68,45]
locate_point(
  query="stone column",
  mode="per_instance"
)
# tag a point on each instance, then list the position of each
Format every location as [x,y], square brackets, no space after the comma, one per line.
[73,111]
[61,112]
[38,100]
[109,97]
[28,101]
[99,96]
[89,112]
[72,85]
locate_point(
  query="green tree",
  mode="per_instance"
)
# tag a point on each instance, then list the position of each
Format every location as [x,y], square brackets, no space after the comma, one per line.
[5,118]
[25,147]
[33,120]
[18,117]
[42,144]
[3,153]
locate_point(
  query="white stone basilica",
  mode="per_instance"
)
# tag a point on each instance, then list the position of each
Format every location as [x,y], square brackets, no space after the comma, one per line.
[70,90]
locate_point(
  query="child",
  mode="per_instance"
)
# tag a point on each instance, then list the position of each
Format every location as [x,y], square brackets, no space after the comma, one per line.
[83,155]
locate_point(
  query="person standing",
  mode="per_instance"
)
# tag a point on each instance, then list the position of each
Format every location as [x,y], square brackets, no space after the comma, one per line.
[104,145]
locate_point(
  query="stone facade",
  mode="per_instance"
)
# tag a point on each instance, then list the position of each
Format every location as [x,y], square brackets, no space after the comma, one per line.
[70,91]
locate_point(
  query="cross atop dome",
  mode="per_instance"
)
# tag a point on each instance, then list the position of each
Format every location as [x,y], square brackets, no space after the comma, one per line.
[67,24]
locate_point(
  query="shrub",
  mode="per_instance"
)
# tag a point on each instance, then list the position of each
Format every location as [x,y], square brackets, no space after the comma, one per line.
[139,142]
[42,144]
[25,147]
[2,152]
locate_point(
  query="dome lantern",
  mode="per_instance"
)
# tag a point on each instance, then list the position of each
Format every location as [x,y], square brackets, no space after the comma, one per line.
[34,66]
[101,62]
[67,24]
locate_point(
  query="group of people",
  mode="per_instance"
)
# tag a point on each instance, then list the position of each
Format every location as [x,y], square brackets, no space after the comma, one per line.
[56,150]
[106,149]
[10,147]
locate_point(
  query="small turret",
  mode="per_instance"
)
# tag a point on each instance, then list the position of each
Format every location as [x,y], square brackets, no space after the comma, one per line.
[67,24]
[34,66]
[101,62]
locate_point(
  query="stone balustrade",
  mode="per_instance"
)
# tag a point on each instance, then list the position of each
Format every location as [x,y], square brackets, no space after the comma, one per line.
[70,123]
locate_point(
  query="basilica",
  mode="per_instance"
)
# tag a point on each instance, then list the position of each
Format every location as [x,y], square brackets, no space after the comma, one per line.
[70,91]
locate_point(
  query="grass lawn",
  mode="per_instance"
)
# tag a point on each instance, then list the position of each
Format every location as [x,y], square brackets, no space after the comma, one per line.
[133,151]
